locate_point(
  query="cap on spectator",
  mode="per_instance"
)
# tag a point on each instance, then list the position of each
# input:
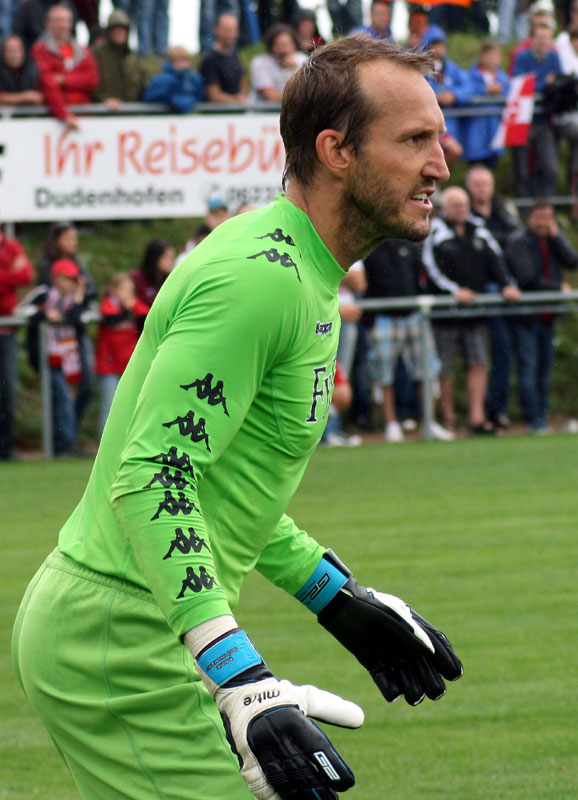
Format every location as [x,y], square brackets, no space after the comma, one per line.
[217,202]
[118,19]
[432,35]
[66,267]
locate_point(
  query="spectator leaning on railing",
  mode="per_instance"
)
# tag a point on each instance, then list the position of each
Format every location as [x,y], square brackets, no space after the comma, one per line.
[271,71]
[461,258]
[68,72]
[19,75]
[537,256]
[221,68]
[15,271]
[178,84]
[122,78]
[501,221]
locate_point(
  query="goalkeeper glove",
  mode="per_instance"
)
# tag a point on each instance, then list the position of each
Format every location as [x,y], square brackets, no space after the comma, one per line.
[282,754]
[403,652]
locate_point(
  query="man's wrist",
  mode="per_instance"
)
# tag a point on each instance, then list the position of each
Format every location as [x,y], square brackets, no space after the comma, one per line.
[328,577]
[228,657]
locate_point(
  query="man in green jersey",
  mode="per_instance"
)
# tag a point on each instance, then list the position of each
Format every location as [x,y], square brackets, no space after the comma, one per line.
[125,642]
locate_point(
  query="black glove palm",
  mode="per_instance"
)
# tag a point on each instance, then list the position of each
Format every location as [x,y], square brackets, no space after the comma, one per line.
[404,653]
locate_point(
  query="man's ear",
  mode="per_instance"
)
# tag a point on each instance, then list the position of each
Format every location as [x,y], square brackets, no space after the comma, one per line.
[331,153]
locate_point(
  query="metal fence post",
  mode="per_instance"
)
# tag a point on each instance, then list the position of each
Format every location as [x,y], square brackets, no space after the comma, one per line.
[425,303]
[46,394]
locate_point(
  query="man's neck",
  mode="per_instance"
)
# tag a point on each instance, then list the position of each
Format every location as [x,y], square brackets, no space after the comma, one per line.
[483,207]
[323,209]
[225,49]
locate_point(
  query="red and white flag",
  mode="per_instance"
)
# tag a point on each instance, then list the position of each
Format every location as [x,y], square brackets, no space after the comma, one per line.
[517,117]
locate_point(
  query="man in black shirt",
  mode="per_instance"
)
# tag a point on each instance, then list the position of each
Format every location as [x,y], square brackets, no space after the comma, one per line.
[537,256]
[461,257]
[393,270]
[225,79]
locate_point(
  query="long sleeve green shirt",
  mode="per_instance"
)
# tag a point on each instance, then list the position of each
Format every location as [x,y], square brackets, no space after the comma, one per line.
[213,423]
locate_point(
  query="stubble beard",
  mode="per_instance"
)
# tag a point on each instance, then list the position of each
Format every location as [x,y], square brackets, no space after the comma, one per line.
[373,212]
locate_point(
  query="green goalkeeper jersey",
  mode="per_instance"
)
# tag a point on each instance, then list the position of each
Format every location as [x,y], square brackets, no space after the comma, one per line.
[224,400]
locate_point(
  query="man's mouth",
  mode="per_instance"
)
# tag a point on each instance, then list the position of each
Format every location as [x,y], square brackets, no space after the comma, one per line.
[423,199]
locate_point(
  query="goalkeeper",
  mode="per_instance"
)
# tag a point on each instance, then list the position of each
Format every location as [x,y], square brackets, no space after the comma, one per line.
[126,642]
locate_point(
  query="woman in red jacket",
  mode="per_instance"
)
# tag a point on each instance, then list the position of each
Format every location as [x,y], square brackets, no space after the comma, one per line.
[119,330]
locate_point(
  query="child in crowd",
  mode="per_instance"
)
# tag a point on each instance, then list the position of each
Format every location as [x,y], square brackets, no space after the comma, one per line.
[118,333]
[157,262]
[178,84]
[63,308]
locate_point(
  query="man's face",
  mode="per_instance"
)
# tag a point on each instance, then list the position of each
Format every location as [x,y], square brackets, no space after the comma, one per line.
[438,50]
[59,23]
[456,206]
[380,17]
[283,46]
[118,35]
[542,41]
[490,59]
[481,186]
[14,54]
[540,221]
[227,30]
[390,180]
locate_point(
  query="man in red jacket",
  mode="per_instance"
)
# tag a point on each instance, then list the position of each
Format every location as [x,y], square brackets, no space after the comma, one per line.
[68,72]
[15,270]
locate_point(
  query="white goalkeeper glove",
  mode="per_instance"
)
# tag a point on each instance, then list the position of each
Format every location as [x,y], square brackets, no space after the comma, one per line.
[282,754]
[405,655]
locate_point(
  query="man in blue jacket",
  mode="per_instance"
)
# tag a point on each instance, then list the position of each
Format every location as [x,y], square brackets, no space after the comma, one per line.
[453,88]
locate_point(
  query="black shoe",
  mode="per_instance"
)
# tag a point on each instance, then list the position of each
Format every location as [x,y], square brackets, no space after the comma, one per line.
[483,429]
[501,421]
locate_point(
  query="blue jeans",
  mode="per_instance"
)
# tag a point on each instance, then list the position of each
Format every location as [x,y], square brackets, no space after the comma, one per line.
[86,385]
[8,389]
[499,379]
[345,16]
[108,384]
[533,345]
[152,26]
[63,416]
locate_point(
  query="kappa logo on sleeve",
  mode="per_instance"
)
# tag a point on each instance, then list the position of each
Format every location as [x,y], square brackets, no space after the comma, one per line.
[213,394]
[274,256]
[188,427]
[278,236]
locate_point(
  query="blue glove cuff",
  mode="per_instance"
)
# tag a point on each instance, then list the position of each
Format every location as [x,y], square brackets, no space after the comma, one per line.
[228,657]
[322,586]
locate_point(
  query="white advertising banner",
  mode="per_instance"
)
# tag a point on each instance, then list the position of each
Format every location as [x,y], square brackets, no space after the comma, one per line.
[137,167]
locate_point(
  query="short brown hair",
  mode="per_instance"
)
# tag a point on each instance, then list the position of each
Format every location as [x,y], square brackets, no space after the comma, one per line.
[325,93]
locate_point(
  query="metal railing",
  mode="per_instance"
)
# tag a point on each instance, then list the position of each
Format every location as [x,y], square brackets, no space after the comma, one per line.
[431,307]
[481,105]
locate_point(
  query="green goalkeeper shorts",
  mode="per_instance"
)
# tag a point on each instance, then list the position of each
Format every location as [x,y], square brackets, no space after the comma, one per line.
[118,692]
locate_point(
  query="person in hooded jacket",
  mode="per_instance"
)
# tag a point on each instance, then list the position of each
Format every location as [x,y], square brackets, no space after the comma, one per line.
[178,84]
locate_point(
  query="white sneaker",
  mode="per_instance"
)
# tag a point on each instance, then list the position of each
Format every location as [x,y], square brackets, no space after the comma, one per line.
[437,431]
[393,432]
[409,425]
[341,440]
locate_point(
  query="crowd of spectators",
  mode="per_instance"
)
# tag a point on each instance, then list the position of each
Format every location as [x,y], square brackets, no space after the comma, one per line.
[478,242]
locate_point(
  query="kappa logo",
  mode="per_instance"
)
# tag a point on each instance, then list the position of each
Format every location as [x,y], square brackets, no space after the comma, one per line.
[323,328]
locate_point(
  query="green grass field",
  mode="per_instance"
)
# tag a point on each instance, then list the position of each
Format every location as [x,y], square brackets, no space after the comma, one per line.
[480,536]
